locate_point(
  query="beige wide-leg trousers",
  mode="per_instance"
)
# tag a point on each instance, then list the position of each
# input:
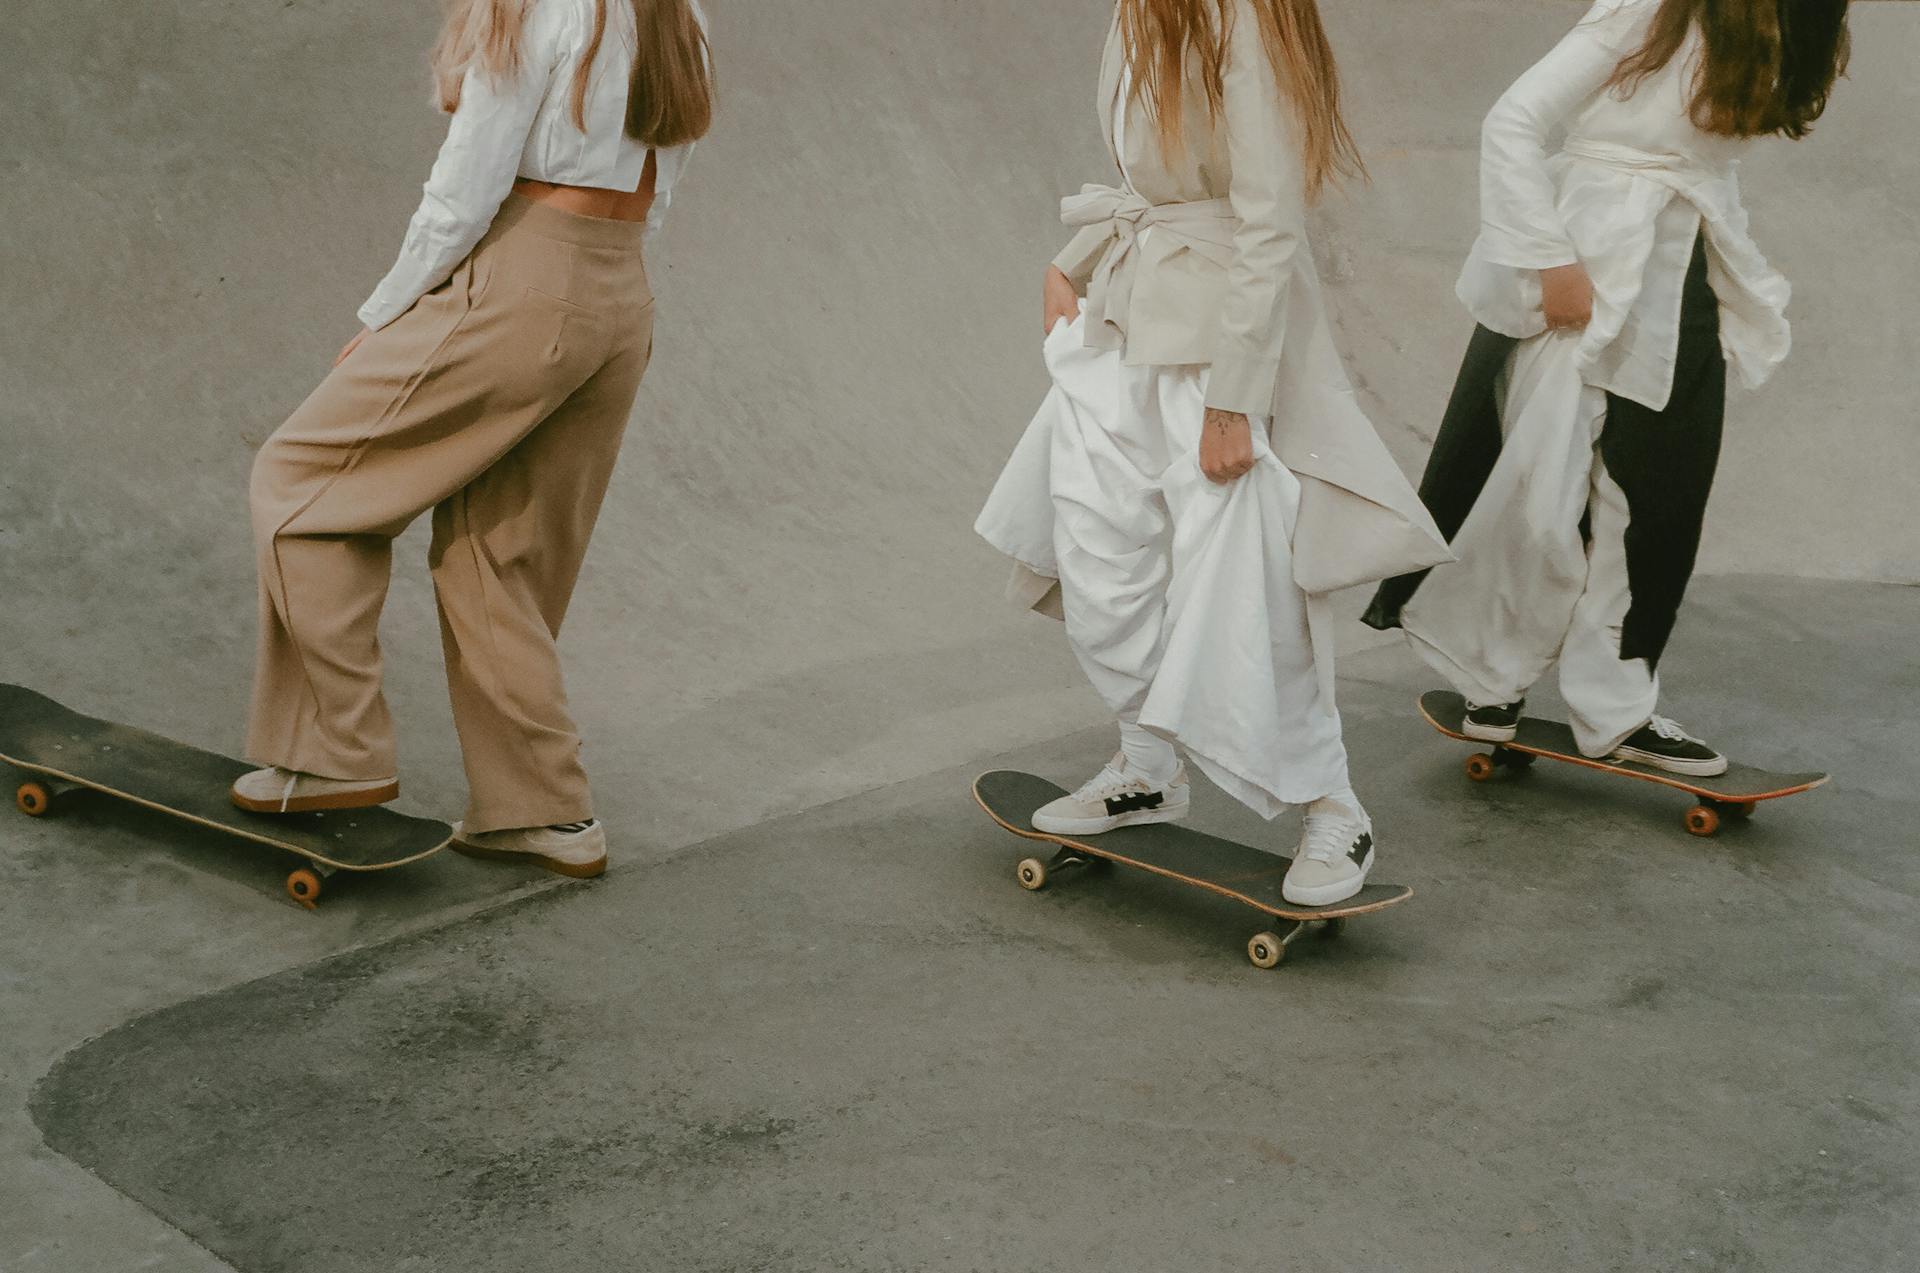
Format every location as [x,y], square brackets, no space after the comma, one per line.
[498,402]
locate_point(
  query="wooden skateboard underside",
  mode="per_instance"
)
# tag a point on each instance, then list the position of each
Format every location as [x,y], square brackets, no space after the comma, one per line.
[1736,791]
[41,736]
[1226,867]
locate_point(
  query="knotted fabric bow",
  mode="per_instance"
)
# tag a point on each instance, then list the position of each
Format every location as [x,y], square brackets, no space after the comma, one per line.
[1204,225]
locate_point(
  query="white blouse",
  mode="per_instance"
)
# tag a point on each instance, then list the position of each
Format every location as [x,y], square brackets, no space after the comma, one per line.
[524,128]
[1633,186]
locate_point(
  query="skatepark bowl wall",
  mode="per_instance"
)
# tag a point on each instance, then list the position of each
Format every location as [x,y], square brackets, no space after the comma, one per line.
[785,607]
[784,600]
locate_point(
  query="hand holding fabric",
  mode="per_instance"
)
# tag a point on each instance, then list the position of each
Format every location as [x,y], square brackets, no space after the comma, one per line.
[1226,445]
[1566,294]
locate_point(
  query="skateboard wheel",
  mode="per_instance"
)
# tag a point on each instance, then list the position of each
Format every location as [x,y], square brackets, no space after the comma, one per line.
[1518,759]
[1480,766]
[1739,809]
[1266,950]
[1702,821]
[1032,874]
[303,886]
[34,799]
[1333,928]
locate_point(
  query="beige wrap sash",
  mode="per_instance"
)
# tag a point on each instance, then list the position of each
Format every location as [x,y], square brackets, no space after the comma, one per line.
[1205,226]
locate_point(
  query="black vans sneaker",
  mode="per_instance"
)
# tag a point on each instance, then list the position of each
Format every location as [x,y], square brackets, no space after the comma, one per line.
[1496,724]
[1664,745]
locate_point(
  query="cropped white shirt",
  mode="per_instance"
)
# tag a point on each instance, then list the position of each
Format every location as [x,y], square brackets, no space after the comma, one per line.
[1635,183]
[524,127]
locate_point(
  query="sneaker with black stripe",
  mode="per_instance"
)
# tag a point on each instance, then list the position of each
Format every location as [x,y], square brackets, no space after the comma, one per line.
[1115,797]
[1335,854]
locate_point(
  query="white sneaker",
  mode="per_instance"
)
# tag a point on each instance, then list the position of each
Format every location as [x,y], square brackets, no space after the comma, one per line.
[578,849]
[1335,854]
[1114,798]
[278,790]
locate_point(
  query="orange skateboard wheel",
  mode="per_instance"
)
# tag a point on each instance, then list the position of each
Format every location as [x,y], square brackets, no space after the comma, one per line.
[34,799]
[1480,766]
[303,886]
[1702,820]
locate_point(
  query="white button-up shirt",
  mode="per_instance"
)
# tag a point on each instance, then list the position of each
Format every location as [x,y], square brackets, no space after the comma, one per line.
[1633,186]
[524,127]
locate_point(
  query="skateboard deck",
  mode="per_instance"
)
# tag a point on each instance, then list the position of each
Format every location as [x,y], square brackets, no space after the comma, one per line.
[1731,794]
[1247,875]
[63,750]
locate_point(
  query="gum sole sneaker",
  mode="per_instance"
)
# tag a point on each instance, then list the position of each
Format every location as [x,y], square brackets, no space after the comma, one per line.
[1664,745]
[1336,852]
[578,850]
[278,790]
[1497,723]
[1112,798]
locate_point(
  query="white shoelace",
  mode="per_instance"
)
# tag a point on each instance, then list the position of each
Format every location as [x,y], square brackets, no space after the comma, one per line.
[1329,836]
[1671,731]
[286,796]
[1108,781]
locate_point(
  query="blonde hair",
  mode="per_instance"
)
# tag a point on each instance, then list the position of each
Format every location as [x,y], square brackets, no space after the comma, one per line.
[669,100]
[1160,36]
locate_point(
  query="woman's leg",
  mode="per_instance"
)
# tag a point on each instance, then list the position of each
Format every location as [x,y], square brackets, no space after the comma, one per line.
[1238,685]
[1651,481]
[1110,542]
[1494,620]
[507,549]
[419,410]
[1608,696]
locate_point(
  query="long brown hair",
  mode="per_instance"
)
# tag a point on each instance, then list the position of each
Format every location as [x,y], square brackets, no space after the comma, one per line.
[1161,35]
[670,98]
[1768,65]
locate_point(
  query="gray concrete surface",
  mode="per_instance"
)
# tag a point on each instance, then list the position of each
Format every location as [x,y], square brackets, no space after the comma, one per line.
[848,1040]
[783,606]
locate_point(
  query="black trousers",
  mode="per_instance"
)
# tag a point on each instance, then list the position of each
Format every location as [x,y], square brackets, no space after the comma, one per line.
[1663,461]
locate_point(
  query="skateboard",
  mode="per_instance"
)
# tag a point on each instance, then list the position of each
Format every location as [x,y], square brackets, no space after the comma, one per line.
[59,751]
[1731,794]
[1245,874]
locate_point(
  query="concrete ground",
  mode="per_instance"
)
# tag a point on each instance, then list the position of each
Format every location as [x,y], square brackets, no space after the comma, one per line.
[810,1022]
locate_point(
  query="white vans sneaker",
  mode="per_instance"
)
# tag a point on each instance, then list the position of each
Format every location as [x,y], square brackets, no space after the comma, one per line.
[578,849]
[1335,854]
[1115,798]
[278,790]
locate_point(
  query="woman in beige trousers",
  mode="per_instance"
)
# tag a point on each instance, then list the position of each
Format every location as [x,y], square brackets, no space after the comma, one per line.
[491,385]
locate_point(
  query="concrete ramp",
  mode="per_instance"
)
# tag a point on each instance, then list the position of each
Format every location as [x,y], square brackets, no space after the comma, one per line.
[784,602]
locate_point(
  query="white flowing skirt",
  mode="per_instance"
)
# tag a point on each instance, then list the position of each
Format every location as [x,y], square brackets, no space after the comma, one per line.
[1178,592]
[1527,588]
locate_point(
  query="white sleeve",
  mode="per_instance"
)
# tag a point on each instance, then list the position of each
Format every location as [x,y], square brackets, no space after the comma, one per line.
[1520,222]
[471,178]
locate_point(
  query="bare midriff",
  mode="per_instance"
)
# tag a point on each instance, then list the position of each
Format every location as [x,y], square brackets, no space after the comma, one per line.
[587,201]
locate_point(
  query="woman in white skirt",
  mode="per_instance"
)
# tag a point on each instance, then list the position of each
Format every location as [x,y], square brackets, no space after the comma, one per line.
[1613,283]
[1200,476]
